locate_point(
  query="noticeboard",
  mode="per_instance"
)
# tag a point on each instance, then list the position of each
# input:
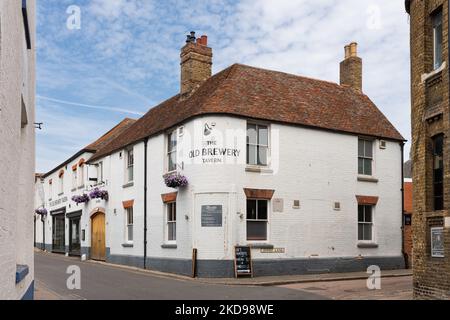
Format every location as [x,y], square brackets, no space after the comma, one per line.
[243,261]
[211,216]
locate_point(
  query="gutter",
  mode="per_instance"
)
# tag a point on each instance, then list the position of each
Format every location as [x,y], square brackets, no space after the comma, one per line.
[145,201]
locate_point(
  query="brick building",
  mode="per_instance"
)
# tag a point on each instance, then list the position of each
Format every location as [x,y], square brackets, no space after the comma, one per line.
[430,147]
[407,224]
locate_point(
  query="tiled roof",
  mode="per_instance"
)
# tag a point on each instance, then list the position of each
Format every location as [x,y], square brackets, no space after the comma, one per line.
[99,143]
[250,92]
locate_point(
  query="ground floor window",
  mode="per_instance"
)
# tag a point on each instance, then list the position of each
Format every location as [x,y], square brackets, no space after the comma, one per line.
[171,221]
[257,219]
[129,228]
[365,223]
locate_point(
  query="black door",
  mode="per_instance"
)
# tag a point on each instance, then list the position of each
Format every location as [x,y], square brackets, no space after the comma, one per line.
[74,237]
[58,234]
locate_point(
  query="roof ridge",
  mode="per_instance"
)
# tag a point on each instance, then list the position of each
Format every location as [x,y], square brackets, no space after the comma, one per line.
[109,132]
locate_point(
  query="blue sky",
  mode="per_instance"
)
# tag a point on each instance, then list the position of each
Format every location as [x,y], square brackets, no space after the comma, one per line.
[125,57]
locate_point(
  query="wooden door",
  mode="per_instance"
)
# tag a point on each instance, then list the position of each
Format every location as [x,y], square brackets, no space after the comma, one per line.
[98,245]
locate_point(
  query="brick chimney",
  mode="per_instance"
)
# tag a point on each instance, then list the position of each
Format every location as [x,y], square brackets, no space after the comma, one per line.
[196,63]
[351,67]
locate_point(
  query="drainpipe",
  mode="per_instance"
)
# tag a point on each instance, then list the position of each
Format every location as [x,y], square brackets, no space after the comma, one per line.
[43,232]
[145,202]
[405,255]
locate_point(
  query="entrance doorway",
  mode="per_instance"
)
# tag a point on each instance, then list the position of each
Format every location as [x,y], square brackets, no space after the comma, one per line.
[74,234]
[58,234]
[98,243]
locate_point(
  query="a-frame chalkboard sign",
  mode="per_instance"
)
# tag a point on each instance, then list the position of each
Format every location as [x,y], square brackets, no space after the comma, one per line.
[243,261]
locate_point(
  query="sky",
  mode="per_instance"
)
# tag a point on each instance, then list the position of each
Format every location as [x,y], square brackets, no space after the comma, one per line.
[99,61]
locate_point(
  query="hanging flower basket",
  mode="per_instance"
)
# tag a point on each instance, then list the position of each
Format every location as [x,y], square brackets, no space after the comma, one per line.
[41,211]
[99,194]
[81,199]
[176,180]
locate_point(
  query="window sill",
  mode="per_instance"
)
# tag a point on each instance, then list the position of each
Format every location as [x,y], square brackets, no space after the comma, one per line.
[169,246]
[73,190]
[258,169]
[261,246]
[128,185]
[60,194]
[367,179]
[21,272]
[128,245]
[427,76]
[363,245]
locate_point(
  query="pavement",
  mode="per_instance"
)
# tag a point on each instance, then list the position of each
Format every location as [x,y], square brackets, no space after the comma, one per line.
[100,280]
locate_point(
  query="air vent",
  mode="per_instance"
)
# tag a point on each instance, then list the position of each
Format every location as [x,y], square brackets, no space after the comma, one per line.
[180,131]
[337,206]
[382,144]
[296,204]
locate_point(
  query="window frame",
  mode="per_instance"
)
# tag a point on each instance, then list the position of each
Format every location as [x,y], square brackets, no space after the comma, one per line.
[100,172]
[437,26]
[257,145]
[74,178]
[257,220]
[170,151]
[80,171]
[436,156]
[171,223]
[129,165]
[61,184]
[129,212]
[364,157]
[371,223]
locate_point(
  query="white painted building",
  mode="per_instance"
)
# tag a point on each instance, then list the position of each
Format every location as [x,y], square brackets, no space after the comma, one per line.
[305,172]
[17,91]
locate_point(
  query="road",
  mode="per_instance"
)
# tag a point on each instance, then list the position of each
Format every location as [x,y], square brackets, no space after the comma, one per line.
[105,282]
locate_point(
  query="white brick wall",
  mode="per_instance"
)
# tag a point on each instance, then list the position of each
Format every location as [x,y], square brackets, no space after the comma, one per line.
[17,78]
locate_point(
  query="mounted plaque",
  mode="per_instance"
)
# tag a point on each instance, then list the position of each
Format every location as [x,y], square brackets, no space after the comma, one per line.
[212,216]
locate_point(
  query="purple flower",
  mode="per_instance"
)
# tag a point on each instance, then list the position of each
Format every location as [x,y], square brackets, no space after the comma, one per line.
[98,194]
[81,199]
[41,211]
[175,180]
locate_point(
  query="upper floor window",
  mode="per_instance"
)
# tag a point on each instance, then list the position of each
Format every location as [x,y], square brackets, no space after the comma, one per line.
[50,189]
[61,184]
[100,172]
[436,20]
[257,144]
[74,178]
[257,219]
[438,172]
[365,157]
[172,151]
[365,223]
[130,165]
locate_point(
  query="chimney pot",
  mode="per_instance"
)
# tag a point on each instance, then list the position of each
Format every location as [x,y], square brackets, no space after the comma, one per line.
[353,49]
[347,51]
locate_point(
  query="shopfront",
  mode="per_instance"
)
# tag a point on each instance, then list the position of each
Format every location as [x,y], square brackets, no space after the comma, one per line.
[58,230]
[74,233]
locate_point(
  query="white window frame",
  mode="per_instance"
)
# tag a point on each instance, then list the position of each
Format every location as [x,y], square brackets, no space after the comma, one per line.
[373,240]
[268,146]
[170,151]
[257,220]
[129,225]
[100,172]
[170,206]
[372,159]
[74,179]
[129,165]
[80,178]
[61,184]
[50,190]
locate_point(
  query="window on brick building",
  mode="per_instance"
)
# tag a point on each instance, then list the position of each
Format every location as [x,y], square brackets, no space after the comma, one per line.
[365,157]
[257,144]
[365,223]
[257,219]
[436,20]
[438,172]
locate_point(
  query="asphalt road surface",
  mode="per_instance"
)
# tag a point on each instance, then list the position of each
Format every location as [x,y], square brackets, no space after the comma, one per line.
[105,282]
